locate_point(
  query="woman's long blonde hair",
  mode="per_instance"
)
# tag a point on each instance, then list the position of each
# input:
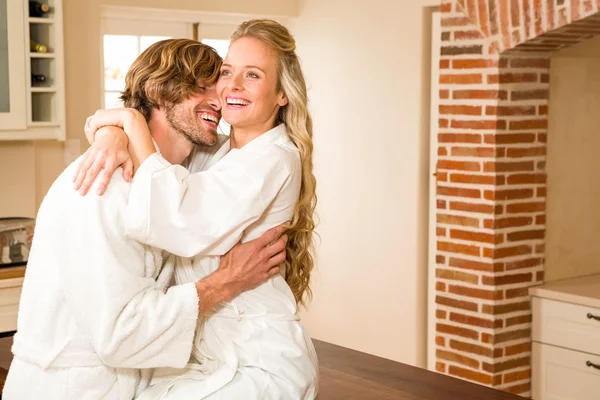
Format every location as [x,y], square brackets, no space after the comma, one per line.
[297,119]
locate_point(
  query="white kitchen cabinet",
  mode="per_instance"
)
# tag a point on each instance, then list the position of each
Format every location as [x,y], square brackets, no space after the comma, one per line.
[31,108]
[10,294]
[566,340]
[12,66]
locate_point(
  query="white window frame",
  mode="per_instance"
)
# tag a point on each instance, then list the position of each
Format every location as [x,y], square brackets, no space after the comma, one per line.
[191,16]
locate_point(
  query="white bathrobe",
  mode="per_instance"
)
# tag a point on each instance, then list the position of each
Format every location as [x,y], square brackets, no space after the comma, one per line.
[253,347]
[91,308]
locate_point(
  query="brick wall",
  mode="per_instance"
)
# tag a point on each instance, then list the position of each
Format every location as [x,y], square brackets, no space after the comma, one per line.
[491,190]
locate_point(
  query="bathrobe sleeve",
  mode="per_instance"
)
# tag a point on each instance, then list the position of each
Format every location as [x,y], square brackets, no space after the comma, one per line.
[106,284]
[205,212]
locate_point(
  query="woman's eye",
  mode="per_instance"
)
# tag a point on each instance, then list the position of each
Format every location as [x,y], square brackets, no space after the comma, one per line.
[225,72]
[252,75]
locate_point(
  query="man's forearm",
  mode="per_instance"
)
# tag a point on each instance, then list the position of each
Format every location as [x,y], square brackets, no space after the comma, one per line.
[243,268]
[211,291]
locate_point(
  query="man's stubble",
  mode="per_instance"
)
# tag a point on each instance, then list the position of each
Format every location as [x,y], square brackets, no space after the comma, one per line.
[189,126]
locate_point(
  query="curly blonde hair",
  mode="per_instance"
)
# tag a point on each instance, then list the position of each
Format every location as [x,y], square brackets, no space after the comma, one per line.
[168,72]
[296,117]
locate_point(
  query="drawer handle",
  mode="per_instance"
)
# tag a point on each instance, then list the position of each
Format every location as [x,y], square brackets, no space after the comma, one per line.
[591,364]
[591,316]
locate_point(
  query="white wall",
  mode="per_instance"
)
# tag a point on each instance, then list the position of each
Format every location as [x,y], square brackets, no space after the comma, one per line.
[367,63]
[573,165]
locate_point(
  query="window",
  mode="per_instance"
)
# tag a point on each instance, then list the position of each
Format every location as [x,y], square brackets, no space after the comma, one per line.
[124,40]
[119,53]
[220,45]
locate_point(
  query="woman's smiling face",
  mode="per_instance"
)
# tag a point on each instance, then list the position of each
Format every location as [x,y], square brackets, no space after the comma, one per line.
[248,86]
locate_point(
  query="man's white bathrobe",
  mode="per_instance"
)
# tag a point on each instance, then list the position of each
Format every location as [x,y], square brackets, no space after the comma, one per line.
[91,308]
[253,347]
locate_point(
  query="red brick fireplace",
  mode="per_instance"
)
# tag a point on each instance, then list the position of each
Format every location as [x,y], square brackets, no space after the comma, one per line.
[491,189]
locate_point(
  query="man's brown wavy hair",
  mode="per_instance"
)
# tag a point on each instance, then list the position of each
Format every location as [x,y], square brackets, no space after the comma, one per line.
[169,72]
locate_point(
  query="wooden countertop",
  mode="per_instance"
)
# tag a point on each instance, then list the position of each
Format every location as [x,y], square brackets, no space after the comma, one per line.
[583,291]
[12,272]
[351,375]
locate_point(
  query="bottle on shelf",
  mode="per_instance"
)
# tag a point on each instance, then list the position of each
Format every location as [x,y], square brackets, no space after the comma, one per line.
[37,47]
[38,9]
[37,79]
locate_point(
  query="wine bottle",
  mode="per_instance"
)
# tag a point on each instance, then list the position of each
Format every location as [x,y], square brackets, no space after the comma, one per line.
[38,78]
[37,47]
[37,9]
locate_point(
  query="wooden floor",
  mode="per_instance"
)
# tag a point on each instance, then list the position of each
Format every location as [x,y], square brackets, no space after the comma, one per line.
[351,375]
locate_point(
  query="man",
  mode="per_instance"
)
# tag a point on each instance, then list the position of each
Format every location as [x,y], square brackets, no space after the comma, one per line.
[95,306]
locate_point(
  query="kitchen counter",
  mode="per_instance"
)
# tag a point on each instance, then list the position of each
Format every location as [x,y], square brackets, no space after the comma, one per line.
[11,282]
[584,291]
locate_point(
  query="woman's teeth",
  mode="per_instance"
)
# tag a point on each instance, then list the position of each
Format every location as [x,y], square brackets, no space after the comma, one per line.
[236,102]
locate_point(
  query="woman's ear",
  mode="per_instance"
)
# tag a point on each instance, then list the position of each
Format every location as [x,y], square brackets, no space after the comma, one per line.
[283,100]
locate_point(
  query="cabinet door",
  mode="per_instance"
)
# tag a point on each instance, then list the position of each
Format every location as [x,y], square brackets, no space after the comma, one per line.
[562,374]
[10,294]
[12,65]
[561,324]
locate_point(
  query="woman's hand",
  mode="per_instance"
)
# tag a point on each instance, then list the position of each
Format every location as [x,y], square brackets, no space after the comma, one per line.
[107,153]
[120,117]
[141,145]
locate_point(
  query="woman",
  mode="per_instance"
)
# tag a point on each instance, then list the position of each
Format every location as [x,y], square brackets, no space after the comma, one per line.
[254,346]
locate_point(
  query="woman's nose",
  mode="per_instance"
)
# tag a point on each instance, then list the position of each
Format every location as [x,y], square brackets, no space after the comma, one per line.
[235,83]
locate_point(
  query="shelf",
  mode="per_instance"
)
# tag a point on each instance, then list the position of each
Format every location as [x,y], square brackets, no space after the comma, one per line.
[42,55]
[44,124]
[34,133]
[41,20]
[41,89]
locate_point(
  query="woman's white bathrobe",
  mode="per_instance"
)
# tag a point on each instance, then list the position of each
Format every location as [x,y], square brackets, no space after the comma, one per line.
[92,308]
[253,347]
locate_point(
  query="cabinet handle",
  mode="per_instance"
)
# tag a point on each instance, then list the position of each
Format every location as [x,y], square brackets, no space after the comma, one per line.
[591,316]
[591,364]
